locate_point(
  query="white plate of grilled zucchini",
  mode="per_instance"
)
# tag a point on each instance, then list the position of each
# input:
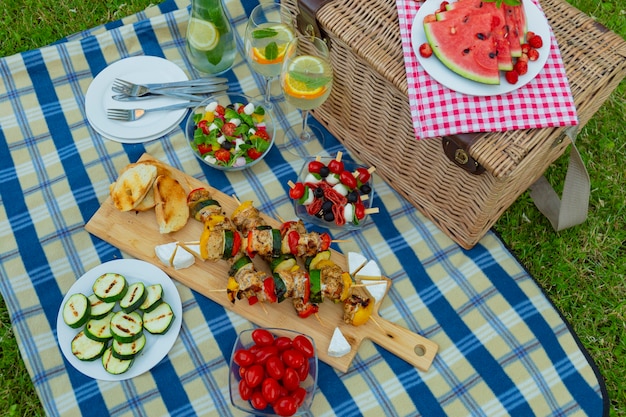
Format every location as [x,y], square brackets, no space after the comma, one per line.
[119,319]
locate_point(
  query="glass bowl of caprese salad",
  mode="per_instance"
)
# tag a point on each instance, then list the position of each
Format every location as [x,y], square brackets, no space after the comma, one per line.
[230,132]
[334,193]
[273,372]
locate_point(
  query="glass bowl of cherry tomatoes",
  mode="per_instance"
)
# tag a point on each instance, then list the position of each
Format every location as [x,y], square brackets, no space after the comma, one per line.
[334,193]
[273,372]
[230,132]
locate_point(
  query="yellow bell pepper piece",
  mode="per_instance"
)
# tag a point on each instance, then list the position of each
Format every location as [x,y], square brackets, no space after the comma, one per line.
[241,207]
[362,314]
[347,286]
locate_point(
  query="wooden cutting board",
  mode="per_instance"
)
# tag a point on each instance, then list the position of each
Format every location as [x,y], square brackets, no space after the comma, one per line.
[137,234]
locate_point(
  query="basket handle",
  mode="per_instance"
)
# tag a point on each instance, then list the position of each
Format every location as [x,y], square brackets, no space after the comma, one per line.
[307,17]
[457,149]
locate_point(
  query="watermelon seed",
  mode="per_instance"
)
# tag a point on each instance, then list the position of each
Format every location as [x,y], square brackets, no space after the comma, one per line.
[481,36]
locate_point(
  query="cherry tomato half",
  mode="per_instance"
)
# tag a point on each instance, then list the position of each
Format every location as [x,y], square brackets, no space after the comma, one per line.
[262,337]
[304,345]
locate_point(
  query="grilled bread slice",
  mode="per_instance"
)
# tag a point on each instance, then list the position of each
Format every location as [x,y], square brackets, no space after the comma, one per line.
[132,185]
[148,202]
[171,208]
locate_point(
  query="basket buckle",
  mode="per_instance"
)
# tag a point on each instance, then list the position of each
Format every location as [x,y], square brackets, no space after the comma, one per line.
[456,148]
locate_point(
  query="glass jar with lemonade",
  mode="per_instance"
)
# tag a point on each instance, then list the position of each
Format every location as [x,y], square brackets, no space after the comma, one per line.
[211,45]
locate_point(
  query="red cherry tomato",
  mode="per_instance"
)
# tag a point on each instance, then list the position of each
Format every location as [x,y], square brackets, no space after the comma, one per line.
[244,357]
[258,401]
[203,124]
[347,179]
[253,153]
[244,390]
[222,155]
[359,210]
[303,371]
[299,394]
[291,380]
[266,352]
[286,406]
[274,367]
[297,191]
[262,133]
[204,148]
[315,166]
[304,345]
[335,166]
[220,110]
[282,343]
[254,375]
[270,388]
[229,129]
[262,337]
[293,358]
[364,175]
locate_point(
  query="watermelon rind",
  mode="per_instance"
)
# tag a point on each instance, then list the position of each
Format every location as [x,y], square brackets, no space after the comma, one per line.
[469,70]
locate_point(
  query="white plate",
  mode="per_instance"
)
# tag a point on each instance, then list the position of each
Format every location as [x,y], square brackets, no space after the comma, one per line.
[157,346]
[139,69]
[536,22]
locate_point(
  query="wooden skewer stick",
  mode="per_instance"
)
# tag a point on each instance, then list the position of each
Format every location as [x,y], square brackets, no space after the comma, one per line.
[376,323]
[317,316]
[340,240]
[318,158]
[236,199]
[291,184]
[363,284]
[191,251]
[371,169]
[218,290]
[371,210]
[339,155]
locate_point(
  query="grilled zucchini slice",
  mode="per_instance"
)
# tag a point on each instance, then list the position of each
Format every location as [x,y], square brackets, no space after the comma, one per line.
[87,349]
[99,329]
[126,351]
[114,365]
[134,297]
[159,320]
[126,327]
[154,297]
[76,311]
[110,287]
[99,308]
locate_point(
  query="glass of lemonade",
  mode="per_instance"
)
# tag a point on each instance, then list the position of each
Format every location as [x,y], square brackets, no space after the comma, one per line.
[306,80]
[268,33]
[211,45]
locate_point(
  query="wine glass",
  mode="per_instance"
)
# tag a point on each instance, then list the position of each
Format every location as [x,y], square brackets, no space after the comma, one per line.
[306,79]
[267,35]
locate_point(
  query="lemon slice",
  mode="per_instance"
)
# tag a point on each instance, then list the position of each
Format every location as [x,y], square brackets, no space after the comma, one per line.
[283,36]
[310,67]
[202,35]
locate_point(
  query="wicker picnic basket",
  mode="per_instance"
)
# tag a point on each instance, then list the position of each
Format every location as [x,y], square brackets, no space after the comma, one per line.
[366,54]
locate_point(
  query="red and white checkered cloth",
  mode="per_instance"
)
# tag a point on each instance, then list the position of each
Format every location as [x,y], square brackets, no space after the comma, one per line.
[546,101]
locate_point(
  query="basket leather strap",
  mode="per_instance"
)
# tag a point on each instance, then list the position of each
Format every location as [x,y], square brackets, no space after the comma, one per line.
[457,149]
[307,17]
[572,208]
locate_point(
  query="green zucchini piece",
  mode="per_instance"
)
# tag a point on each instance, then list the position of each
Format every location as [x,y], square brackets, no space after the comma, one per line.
[110,287]
[229,242]
[114,365]
[76,310]
[202,204]
[315,281]
[277,243]
[126,351]
[99,308]
[154,297]
[283,263]
[134,297]
[280,288]
[86,349]
[159,320]
[239,263]
[126,327]
[99,329]
[311,262]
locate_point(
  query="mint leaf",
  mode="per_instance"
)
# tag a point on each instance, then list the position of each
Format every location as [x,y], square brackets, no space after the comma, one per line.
[264,33]
[311,81]
[271,51]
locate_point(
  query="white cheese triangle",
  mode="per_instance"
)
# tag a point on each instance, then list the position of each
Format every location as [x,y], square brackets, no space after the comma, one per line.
[170,255]
[339,346]
[369,271]
[377,289]
[355,262]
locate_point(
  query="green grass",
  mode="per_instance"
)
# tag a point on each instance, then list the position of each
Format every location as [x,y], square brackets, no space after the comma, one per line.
[583,269]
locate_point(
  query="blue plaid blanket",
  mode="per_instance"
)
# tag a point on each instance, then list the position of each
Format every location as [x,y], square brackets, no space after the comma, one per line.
[504,348]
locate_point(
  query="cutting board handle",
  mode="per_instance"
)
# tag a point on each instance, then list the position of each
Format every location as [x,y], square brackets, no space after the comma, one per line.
[413,348]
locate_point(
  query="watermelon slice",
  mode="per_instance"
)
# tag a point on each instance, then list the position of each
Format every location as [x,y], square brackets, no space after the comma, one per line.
[516,20]
[464,45]
[499,27]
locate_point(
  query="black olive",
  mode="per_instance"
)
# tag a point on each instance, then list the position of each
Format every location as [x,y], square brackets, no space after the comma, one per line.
[329,216]
[327,206]
[365,189]
[324,171]
[318,193]
[353,196]
[228,145]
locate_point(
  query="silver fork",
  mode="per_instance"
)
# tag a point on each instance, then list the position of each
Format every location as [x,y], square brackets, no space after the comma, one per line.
[129,115]
[138,90]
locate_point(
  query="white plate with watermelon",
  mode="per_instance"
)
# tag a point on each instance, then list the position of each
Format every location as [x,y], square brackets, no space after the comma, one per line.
[477,79]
